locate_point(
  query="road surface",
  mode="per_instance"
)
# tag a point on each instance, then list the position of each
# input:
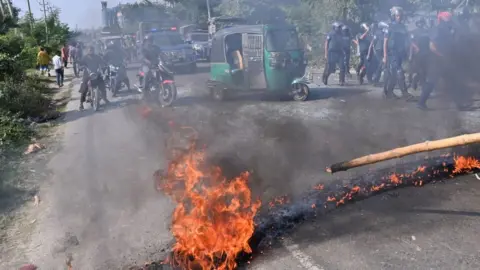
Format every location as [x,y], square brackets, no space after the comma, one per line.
[99,203]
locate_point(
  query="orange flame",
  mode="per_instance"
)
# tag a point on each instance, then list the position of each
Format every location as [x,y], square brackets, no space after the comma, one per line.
[278,201]
[465,164]
[461,165]
[213,219]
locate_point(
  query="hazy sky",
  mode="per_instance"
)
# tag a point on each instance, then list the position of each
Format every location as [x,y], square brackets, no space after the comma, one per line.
[84,13]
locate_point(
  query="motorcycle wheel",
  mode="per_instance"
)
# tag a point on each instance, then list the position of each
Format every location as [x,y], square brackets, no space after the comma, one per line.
[168,94]
[95,98]
[301,92]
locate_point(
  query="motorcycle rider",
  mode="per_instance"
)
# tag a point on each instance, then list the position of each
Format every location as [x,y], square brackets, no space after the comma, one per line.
[115,56]
[394,53]
[151,54]
[347,41]
[419,52]
[92,62]
[334,54]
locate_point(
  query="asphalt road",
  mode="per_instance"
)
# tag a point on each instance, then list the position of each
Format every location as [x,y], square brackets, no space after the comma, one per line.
[100,205]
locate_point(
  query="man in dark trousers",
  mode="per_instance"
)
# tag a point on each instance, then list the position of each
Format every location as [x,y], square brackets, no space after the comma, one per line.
[394,53]
[376,47]
[441,43]
[92,63]
[419,52]
[334,54]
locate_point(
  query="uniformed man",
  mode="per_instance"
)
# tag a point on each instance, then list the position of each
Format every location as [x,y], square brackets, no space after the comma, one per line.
[376,47]
[395,52]
[419,52]
[334,54]
[363,44]
[441,43]
[347,41]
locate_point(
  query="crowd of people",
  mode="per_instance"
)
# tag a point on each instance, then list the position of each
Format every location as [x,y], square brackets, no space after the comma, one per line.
[384,47]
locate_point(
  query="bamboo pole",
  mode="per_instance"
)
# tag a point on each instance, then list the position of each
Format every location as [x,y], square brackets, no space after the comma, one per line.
[405,151]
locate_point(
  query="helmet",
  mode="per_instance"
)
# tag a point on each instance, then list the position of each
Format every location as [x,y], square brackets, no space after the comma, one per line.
[345,29]
[336,26]
[444,16]
[396,11]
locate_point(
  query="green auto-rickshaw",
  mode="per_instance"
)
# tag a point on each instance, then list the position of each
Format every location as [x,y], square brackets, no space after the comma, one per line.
[258,57]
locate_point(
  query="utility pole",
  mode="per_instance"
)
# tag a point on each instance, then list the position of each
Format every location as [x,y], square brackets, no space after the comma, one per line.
[10,10]
[44,9]
[208,10]
[30,16]
[1,9]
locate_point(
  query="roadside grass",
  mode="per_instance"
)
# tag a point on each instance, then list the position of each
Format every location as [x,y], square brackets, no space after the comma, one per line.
[17,186]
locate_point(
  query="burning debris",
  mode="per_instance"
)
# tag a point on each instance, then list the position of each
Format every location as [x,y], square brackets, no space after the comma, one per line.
[427,146]
[215,223]
[214,217]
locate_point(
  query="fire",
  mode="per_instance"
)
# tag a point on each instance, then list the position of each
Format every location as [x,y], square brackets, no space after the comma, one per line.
[465,164]
[278,201]
[214,217]
[461,165]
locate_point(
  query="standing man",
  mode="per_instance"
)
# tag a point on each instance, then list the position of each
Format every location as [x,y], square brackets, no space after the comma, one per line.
[65,55]
[418,56]
[43,59]
[347,42]
[441,43]
[58,66]
[334,54]
[376,47]
[394,53]
[363,45]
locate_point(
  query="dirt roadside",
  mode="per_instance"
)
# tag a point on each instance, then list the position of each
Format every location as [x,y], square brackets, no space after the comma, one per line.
[24,176]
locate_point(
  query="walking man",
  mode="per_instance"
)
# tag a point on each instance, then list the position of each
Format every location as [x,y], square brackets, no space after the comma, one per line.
[58,66]
[65,55]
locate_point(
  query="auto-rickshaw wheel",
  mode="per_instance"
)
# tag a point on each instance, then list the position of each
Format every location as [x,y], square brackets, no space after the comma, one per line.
[300,92]
[217,94]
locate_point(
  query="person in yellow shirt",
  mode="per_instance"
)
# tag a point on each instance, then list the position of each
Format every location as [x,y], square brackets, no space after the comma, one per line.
[43,59]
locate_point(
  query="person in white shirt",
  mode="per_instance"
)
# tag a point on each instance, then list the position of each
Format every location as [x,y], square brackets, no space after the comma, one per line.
[58,66]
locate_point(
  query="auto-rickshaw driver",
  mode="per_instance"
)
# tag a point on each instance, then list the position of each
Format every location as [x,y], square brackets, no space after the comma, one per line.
[233,44]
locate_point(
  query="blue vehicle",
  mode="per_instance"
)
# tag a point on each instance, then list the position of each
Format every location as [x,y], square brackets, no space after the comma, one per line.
[178,54]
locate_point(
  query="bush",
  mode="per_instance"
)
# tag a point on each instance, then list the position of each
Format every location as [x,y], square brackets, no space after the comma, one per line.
[13,129]
[25,97]
[9,67]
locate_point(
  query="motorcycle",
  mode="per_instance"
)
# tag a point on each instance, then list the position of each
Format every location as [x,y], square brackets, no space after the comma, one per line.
[160,87]
[116,78]
[93,89]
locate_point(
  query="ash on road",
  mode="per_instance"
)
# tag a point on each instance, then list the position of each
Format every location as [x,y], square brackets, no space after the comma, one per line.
[100,205]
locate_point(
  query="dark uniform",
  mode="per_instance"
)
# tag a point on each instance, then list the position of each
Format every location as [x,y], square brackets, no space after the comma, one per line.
[419,56]
[442,39]
[335,55]
[397,42]
[347,41]
[377,46]
[363,47]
